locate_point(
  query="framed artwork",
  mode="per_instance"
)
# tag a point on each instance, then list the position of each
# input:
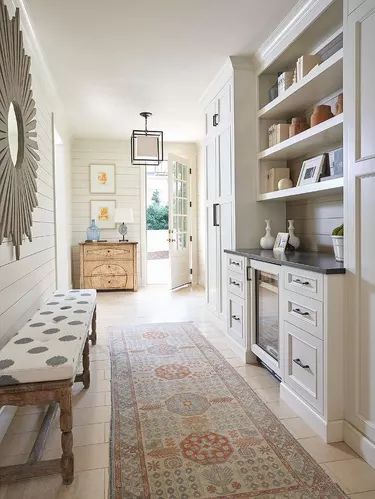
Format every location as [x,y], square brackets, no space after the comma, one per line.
[102,179]
[311,170]
[281,242]
[103,212]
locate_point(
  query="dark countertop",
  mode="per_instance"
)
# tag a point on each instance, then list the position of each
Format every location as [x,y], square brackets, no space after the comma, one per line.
[324,263]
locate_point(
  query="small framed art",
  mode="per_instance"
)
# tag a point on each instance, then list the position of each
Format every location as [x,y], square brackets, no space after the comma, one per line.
[103,212]
[281,242]
[102,179]
[311,170]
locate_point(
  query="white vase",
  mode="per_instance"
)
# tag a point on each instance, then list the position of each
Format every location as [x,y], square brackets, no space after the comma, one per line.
[267,241]
[293,239]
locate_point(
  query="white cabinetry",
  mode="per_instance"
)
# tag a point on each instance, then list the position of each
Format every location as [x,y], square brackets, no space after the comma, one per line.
[312,333]
[233,217]
[359,203]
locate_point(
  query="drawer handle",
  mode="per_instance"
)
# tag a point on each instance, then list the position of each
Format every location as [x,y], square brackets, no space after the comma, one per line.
[235,318]
[299,312]
[235,283]
[304,283]
[237,264]
[300,364]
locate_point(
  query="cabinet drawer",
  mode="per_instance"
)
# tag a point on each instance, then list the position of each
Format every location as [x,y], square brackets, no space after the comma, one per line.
[109,282]
[122,252]
[304,312]
[236,263]
[304,282]
[304,365]
[103,268]
[236,284]
[236,318]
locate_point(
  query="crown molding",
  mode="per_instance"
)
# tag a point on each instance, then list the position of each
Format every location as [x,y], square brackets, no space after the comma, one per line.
[293,24]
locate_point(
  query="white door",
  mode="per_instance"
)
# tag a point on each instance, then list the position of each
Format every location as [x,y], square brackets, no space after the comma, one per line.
[359,216]
[179,220]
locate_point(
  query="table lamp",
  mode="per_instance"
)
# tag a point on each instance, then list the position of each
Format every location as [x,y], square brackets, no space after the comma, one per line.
[122,217]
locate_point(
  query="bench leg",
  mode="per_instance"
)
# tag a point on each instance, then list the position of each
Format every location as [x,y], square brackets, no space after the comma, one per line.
[86,365]
[93,328]
[66,423]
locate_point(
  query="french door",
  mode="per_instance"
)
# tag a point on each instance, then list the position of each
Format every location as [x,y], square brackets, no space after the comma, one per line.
[179,221]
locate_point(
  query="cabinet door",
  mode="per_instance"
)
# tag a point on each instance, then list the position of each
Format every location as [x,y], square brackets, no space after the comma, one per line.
[211,170]
[225,242]
[211,261]
[224,106]
[359,84]
[224,163]
[210,112]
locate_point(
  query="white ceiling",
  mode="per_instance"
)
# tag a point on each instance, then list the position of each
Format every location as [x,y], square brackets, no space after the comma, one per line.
[111,59]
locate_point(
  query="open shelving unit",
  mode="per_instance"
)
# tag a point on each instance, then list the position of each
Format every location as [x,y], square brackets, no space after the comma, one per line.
[321,85]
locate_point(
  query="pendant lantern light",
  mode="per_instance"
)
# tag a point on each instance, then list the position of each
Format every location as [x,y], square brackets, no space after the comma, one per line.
[146,145]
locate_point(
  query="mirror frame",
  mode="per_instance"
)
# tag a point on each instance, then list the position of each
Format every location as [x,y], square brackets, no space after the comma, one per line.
[18,187]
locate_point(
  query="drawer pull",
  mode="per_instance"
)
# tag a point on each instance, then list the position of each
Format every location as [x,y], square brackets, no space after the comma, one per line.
[235,283]
[304,283]
[299,312]
[237,264]
[300,364]
[235,318]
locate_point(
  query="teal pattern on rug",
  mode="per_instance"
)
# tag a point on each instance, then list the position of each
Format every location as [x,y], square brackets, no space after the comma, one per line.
[186,425]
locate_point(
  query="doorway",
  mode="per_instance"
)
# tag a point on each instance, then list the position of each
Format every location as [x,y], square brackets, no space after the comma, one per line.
[168,227]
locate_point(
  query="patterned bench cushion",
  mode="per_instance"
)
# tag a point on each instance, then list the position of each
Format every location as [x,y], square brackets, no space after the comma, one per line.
[49,346]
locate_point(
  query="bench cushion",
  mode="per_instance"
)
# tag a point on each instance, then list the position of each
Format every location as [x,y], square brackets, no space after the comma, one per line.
[49,346]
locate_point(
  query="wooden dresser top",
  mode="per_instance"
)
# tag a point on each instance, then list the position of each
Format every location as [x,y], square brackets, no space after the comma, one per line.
[109,243]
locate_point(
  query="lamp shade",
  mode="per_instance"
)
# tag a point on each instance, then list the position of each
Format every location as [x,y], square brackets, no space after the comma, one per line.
[124,215]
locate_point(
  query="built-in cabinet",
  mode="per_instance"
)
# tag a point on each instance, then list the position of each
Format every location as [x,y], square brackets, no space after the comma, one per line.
[359,81]
[232,215]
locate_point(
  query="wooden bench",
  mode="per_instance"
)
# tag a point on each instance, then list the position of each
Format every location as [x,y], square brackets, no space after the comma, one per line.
[39,366]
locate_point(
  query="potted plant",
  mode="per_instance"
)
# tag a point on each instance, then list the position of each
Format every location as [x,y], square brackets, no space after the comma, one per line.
[338,242]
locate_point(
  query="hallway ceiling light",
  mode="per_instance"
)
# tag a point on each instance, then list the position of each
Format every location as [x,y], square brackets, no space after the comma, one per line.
[146,145]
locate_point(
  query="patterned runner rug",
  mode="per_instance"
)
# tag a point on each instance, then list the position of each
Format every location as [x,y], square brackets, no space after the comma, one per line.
[185,424]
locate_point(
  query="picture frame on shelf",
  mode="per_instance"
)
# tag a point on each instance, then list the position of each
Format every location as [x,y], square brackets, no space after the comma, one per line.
[102,179]
[311,170]
[103,212]
[281,242]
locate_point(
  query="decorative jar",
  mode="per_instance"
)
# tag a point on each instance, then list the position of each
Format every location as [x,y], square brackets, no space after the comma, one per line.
[267,241]
[293,239]
[93,232]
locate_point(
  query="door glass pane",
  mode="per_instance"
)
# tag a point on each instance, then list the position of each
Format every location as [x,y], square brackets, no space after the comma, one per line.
[267,334]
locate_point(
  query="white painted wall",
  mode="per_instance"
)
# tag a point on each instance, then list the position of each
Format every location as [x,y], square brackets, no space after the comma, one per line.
[201,231]
[130,191]
[25,283]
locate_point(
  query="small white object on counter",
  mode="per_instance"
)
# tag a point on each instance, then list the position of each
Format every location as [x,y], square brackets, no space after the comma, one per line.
[267,241]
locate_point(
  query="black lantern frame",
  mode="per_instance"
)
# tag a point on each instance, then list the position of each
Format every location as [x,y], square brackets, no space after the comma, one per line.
[143,160]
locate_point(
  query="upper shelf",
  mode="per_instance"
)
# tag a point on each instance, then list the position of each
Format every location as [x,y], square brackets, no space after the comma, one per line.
[322,81]
[319,189]
[311,141]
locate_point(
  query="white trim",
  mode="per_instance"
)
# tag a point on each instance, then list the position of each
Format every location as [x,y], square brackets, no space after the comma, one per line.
[329,431]
[143,228]
[296,21]
[361,444]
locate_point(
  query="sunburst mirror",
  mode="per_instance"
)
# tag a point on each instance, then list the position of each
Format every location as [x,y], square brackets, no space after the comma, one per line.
[18,146]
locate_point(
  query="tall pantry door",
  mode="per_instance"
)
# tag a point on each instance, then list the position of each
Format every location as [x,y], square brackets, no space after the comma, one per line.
[359,95]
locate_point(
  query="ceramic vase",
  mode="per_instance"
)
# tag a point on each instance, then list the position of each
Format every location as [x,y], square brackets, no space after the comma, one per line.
[293,239]
[297,126]
[321,113]
[284,183]
[267,241]
[93,232]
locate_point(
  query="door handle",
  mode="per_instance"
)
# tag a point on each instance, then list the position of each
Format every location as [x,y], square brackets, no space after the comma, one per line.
[215,119]
[235,318]
[299,312]
[235,283]
[300,364]
[214,213]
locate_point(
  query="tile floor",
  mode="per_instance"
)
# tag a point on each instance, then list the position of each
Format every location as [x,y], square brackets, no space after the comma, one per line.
[92,408]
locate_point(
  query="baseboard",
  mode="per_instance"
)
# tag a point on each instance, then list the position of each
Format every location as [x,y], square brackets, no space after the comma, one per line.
[360,443]
[7,413]
[329,431]
[240,350]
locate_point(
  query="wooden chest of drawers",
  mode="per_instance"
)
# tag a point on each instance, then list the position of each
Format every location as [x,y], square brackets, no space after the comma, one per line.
[108,266]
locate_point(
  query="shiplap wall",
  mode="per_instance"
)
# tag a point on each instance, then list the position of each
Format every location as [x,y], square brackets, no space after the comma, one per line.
[129,187]
[314,221]
[24,284]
